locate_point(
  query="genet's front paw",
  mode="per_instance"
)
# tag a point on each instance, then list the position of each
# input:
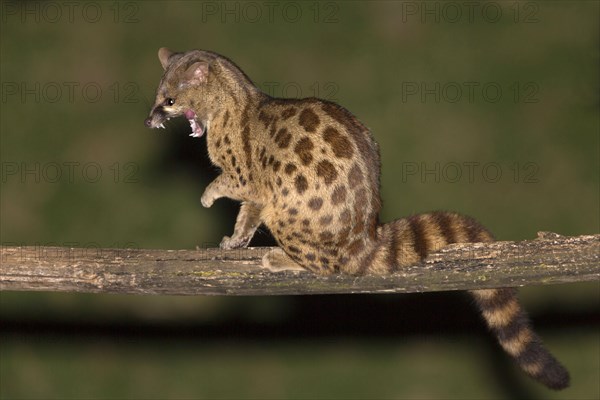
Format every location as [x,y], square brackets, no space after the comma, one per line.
[207,200]
[230,243]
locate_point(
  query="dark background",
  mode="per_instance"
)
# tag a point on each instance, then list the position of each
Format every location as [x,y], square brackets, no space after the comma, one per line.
[488,109]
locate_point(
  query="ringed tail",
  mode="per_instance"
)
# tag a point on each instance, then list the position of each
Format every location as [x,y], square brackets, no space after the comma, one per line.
[407,241]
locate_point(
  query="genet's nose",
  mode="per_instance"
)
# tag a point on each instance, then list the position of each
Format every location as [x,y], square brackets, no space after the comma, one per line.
[148,122]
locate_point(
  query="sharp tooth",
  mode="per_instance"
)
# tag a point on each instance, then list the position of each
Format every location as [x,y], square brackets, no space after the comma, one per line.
[162,125]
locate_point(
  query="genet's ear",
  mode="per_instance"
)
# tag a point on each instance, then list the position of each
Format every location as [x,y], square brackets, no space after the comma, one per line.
[164,55]
[197,73]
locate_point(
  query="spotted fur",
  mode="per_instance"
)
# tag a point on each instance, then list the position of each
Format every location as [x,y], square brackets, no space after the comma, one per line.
[309,171]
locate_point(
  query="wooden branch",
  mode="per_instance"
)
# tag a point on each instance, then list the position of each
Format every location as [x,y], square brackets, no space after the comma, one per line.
[549,259]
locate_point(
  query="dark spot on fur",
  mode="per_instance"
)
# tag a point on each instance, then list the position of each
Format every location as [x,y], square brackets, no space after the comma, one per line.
[245,118]
[343,236]
[325,236]
[310,256]
[278,182]
[247,147]
[340,144]
[359,226]
[293,249]
[285,192]
[305,222]
[338,113]
[304,150]
[332,252]
[218,143]
[226,139]
[289,112]
[315,203]
[346,217]
[225,118]
[276,166]
[373,222]
[283,138]
[360,199]
[290,169]
[356,247]
[293,211]
[326,220]
[339,195]
[308,120]
[233,161]
[301,184]
[327,171]
[355,177]
[264,118]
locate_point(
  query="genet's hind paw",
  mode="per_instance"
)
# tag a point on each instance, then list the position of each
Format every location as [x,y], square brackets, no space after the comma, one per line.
[276,260]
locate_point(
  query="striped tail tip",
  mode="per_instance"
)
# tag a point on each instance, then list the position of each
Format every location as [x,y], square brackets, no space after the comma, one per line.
[505,317]
[538,363]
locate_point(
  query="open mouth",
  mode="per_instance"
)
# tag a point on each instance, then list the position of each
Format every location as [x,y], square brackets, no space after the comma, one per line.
[197,128]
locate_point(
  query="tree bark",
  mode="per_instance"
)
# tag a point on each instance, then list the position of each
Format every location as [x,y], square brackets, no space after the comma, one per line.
[550,259]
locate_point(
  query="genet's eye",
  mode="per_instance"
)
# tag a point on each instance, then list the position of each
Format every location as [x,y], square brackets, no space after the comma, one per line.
[169,101]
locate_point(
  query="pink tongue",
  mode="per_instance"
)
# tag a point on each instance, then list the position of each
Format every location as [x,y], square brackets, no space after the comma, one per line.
[189,114]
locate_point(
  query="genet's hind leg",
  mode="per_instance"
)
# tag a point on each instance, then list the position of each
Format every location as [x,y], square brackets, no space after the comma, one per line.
[276,260]
[247,222]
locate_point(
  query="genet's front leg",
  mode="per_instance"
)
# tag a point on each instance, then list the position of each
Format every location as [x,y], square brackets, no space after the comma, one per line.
[222,186]
[248,220]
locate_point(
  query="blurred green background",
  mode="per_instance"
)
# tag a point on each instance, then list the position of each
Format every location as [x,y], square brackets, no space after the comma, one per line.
[489,109]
